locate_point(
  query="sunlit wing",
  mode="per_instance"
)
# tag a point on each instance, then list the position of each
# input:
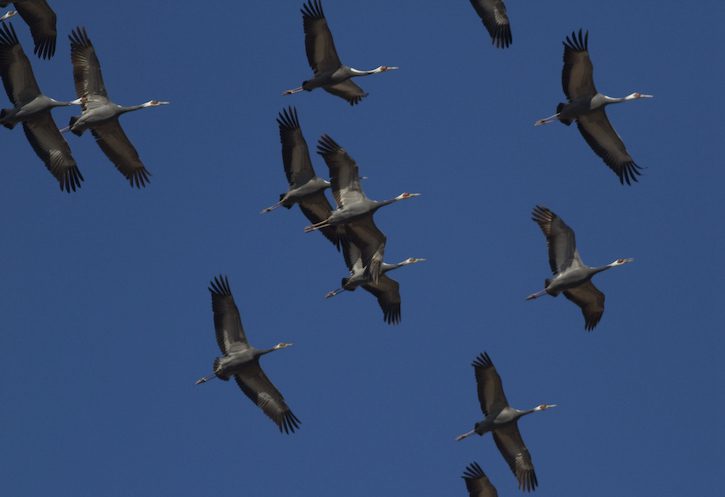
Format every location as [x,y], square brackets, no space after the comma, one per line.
[15,69]
[319,45]
[512,448]
[227,322]
[347,90]
[343,172]
[559,237]
[590,300]
[494,18]
[42,22]
[86,67]
[477,482]
[119,149]
[577,77]
[295,154]
[53,150]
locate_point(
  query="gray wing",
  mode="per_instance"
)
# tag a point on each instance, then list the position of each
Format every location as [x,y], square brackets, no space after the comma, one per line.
[512,448]
[41,19]
[494,18]
[590,300]
[227,323]
[559,237]
[15,70]
[295,155]
[316,208]
[118,148]
[606,143]
[488,385]
[255,384]
[477,482]
[53,150]
[86,68]
[387,291]
[347,90]
[371,242]
[319,45]
[343,172]
[577,77]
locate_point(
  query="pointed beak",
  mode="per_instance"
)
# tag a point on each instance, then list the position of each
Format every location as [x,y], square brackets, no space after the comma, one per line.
[392,68]
[644,95]
[414,195]
[162,102]
[420,259]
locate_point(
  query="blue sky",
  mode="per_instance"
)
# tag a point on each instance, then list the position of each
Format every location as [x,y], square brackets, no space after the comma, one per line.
[107,321]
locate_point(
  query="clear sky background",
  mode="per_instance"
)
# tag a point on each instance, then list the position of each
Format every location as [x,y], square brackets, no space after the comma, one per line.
[106,318]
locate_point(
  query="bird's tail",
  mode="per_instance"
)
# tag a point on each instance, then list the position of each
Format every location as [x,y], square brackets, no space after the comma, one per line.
[566,122]
[287,206]
[73,120]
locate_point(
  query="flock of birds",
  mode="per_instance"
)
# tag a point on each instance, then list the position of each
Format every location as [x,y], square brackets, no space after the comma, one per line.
[350,226]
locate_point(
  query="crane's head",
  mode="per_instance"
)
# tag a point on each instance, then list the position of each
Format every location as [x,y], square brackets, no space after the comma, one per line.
[637,95]
[412,260]
[282,345]
[155,103]
[386,68]
[619,262]
[8,15]
[544,407]
[406,195]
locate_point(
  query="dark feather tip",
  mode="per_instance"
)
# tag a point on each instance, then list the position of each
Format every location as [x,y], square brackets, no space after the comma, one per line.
[482,361]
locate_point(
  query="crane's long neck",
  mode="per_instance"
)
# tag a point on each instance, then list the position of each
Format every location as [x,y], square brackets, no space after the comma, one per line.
[357,72]
[628,98]
[123,110]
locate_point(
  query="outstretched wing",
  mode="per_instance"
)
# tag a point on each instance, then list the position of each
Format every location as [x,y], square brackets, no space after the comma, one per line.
[53,150]
[343,172]
[295,154]
[606,143]
[227,323]
[512,448]
[86,68]
[347,90]
[255,384]
[590,300]
[119,149]
[477,482]
[387,291]
[15,69]
[577,77]
[559,238]
[320,46]
[41,19]
[494,18]
[488,385]
[316,208]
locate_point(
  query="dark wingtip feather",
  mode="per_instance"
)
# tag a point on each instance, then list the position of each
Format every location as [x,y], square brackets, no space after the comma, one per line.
[527,481]
[473,472]
[502,36]
[542,215]
[287,118]
[391,314]
[139,178]
[482,361]
[326,145]
[71,179]
[313,10]
[289,423]
[577,43]
[79,38]
[8,37]
[629,172]
[220,285]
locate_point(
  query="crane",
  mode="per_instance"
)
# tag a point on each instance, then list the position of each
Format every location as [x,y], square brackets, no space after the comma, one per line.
[41,19]
[585,105]
[306,189]
[501,420]
[362,248]
[330,73]
[100,115]
[241,360]
[571,275]
[494,18]
[477,482]
[33,109]
[352,204]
